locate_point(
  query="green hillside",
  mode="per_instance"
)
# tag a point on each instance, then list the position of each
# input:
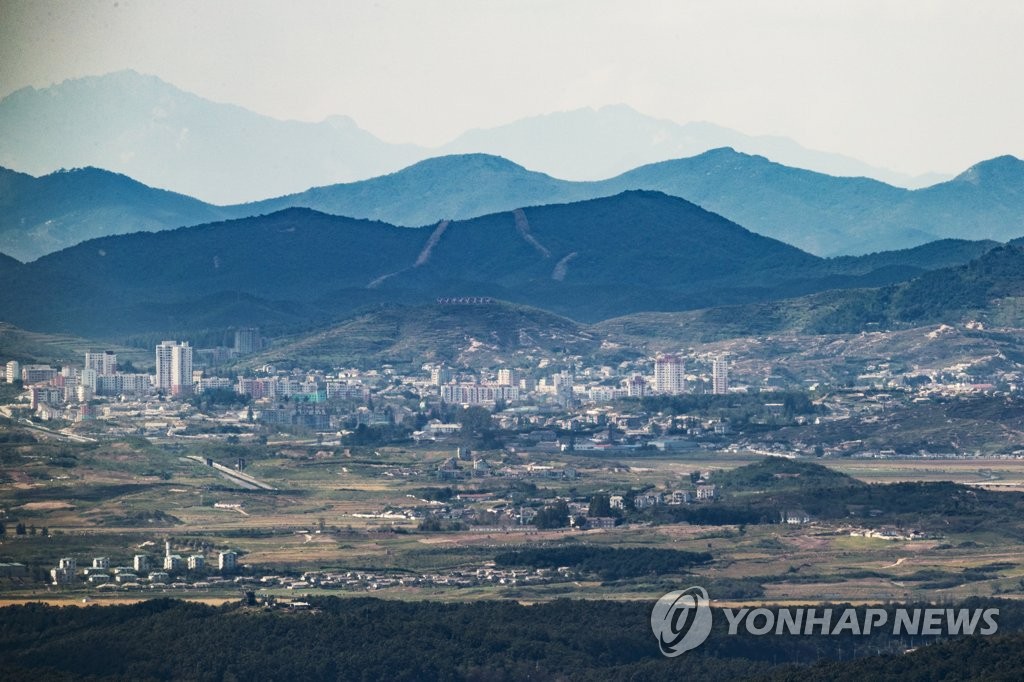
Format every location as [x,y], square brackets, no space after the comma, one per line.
[434,332]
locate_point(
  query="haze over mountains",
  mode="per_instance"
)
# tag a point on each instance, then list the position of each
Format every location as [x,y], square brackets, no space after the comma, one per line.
[164,137]
[822,214]
[730,235]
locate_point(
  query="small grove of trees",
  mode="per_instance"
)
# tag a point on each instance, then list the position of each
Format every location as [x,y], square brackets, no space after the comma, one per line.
[554,516]
[600,505]
[610,563]
[478,431]
[22,529]
[219,397]
[376,435]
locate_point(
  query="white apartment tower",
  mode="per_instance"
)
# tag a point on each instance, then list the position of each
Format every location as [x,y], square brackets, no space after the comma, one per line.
[227,561]
[174,368]
[669,377]
[720,376]
[508,377]
[105,363]
[439,376]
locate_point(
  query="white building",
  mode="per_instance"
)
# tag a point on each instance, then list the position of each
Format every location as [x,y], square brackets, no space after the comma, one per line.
[705,492]
[720,376]
[669,376]
[214,383]
[636,387]
[605,394]
[226,561]
[124,384]
[13,371]
[37,374]
[62,576]
[105,363]
[88,378]
[508,377]
[475,394]
[174,368]
[440,375]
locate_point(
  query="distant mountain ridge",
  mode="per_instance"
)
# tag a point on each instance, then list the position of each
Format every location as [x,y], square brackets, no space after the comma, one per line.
[152,131]
[453,187]
[825,215]
[988,290]
[595,144]
[50,213]
[818,213]
[165,137]
[589,260]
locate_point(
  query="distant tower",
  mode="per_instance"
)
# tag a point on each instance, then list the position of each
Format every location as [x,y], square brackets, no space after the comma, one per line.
[109,363]
[636,387]
[720,376]
[104,364]
[227,561]
[247,340]
[13,371]
[669,378]
[174,368]
[167,548]
[440,376]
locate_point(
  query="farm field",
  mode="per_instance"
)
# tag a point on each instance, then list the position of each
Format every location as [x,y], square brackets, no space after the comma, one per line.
[347,510]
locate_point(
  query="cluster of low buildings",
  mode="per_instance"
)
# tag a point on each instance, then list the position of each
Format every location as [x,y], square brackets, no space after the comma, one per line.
[552,405]
[69,392]
[378,580]
[171,568]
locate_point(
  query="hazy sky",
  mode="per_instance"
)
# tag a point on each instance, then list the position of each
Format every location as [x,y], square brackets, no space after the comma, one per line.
[910,85]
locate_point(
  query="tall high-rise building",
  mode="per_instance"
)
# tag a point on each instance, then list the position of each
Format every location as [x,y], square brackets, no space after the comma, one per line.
[227,561]
[508,377]
[440,376]
[720,376]
[247,340]
[104,363]
[174,367]
[13,371]
[669,377]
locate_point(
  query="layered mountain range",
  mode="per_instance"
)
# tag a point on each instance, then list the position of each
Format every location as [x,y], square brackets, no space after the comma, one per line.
[150,130]
[822,214]
[715,243]
[633,252]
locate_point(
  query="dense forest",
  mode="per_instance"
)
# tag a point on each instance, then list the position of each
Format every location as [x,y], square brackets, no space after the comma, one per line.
[369,639]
